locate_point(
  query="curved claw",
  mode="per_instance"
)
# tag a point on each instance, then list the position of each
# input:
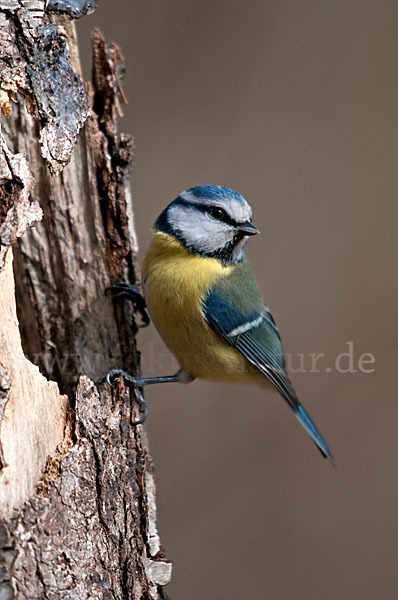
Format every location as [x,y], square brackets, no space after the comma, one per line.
[142,407]
[121,289]
[107,378]
[116,373]
[136,381]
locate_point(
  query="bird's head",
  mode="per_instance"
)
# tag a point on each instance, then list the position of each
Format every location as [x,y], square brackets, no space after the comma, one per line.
[209,220]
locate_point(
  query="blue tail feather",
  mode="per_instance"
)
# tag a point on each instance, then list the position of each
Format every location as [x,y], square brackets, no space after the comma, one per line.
[310,427]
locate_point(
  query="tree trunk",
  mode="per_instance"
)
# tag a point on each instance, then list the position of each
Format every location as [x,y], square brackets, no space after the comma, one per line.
[77,494]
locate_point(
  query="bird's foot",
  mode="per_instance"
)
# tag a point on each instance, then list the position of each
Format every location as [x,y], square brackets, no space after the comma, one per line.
[136,383]
[124,290]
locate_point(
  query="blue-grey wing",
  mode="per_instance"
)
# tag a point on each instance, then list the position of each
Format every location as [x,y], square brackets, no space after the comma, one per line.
[254,334]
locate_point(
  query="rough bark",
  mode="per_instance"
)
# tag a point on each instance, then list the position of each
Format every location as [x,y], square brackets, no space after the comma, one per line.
[77,495]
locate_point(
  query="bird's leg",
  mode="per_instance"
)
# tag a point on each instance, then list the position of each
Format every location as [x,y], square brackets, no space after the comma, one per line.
[182,376]
[121,289]
[142,381]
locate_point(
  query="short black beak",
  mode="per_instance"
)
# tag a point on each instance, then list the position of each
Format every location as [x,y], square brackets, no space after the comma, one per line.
[247,228]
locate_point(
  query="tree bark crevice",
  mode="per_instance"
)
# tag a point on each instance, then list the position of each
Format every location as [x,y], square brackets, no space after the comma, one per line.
[89,532]
[77,492]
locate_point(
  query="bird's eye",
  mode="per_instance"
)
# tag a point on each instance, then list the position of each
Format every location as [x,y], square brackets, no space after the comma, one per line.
[217,213]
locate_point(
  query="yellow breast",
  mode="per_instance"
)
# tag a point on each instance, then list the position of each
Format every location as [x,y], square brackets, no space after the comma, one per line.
[175,283]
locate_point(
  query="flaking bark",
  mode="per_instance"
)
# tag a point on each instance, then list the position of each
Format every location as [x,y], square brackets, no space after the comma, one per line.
[77,495]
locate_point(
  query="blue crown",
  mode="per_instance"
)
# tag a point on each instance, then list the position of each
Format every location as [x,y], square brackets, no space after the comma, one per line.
[216,192]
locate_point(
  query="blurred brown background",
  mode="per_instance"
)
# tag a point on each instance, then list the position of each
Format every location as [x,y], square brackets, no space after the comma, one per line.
[293,104]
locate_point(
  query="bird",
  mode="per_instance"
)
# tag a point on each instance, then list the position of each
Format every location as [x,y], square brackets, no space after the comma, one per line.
[203,298]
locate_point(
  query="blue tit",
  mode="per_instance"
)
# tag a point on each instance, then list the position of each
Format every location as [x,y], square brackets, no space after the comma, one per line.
[203,298]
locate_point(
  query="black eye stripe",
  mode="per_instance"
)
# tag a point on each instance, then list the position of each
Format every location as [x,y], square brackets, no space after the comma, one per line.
[221,216]
[206,208]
